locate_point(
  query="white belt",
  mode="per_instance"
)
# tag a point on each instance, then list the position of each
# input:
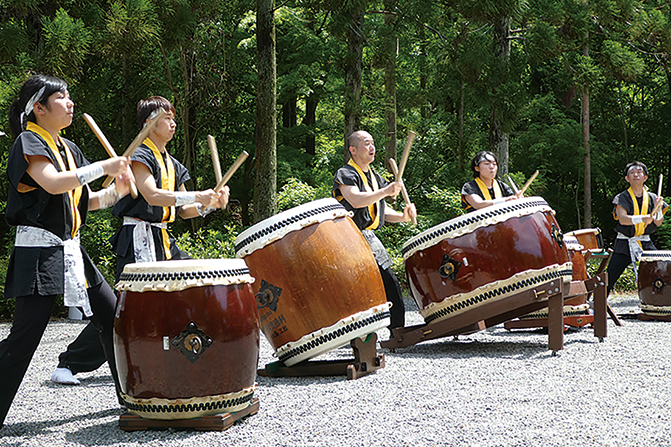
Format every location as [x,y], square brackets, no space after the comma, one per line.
[635,248]
[74,287]
[143,240]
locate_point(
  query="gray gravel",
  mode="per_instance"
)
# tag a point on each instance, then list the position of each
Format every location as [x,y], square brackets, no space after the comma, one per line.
[492,388]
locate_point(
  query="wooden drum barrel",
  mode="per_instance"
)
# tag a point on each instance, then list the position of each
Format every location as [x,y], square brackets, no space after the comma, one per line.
[480,259]
[317,283]
[186,338]
[654,283]
[590,238]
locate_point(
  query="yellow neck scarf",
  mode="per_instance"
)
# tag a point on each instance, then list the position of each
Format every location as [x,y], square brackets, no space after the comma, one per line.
[167,177]
[373,209]
[640,228]
[74,196]
[485,191]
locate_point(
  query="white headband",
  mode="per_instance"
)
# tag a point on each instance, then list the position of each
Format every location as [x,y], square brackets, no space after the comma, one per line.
[33,100]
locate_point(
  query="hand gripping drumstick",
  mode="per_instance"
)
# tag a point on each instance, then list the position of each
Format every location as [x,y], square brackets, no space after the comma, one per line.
[144,133]
[406,153]
[394,170]
[215,157]
[526,185]
[234,167]
[108,147]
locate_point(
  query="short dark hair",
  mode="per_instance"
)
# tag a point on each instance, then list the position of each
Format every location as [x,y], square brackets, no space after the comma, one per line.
[479,158]
[637,164]
[147,106]
[32,86]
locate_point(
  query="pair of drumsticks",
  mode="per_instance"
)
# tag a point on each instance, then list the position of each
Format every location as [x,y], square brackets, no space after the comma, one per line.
[144,133]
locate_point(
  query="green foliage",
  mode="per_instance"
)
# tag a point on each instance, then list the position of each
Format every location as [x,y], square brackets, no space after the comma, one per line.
[66,44]
[295,193]
[210,243]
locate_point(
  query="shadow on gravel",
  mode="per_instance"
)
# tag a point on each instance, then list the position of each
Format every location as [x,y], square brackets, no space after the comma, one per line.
[37,428]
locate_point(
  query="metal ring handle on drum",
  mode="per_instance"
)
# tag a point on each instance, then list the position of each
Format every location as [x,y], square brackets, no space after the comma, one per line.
[658,284]
[449,268]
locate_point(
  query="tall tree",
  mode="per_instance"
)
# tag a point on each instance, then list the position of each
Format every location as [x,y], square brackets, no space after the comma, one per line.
[265,181]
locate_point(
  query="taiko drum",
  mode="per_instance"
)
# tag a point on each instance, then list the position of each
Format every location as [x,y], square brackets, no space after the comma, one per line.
[482,258]
[317,283]
[186,338]
[654,283]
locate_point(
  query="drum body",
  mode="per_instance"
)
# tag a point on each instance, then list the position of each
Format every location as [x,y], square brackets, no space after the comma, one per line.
[654,282]
[484,257]
[317,283]
[186,338]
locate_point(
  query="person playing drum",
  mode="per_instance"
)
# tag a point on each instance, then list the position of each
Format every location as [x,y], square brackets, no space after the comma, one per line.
[362,191]
[144,235]
[47,202]
[635,223]
[485,190]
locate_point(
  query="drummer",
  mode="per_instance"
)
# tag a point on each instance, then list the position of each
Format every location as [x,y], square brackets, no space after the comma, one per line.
[361,190]
[485,190]
[144,235]
[635,224]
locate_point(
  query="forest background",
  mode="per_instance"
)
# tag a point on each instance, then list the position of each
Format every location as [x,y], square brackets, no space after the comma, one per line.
[574,89]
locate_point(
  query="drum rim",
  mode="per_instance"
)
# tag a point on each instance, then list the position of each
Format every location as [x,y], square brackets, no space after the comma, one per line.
[261,234]
[468,222]
[655,255]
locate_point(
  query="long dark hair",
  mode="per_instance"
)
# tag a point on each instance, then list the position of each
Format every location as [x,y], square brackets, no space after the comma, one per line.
[31,87]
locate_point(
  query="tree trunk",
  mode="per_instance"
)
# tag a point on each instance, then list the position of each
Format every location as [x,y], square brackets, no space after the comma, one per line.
[498,139]
[310,120]
[265,180]
[353,74]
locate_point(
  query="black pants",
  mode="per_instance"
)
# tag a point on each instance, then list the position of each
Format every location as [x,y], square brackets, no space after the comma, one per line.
[31,316]
[85,354]
[618,262]
[393,291]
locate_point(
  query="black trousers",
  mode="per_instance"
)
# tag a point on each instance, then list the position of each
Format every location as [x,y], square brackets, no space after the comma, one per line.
[618,262]
[86,353]
[393,291]
[31,316]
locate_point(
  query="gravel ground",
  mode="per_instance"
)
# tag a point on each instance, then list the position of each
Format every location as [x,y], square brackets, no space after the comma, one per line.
[492,388]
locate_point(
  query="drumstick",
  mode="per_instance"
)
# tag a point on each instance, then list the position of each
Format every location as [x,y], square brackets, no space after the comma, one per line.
[526,185]
[406,153]
[658,206]
[108,147]
[144,133]
[241,159]
[215,157]
[394,170]
[513,185]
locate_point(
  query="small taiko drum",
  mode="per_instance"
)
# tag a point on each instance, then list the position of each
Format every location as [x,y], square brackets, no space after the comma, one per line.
[186,338]
[317,283]
[590,238]
[654,283]
[480,259]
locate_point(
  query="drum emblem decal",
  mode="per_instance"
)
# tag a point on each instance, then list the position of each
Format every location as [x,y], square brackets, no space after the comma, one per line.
[268,296]
[557,236]
[449,268]
[192,342]
[658,284]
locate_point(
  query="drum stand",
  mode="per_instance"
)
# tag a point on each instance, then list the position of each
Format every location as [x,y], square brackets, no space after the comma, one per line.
[366,360]
[219,422]
[479,318]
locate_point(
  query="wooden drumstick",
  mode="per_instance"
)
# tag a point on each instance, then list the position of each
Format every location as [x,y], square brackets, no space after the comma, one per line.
[513,185]
[394,170]
[108,147]
[241,159]
[406,153]
[144,133]
[658,206]
[526,185]
[215,157]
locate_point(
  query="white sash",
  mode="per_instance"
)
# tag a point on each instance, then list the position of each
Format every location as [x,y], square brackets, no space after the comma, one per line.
[74,287]
[144,249]
[635,248]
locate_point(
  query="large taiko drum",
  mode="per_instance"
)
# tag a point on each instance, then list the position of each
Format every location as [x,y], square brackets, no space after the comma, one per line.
[186,338]
[483,258]
[317,283]
[654,283]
